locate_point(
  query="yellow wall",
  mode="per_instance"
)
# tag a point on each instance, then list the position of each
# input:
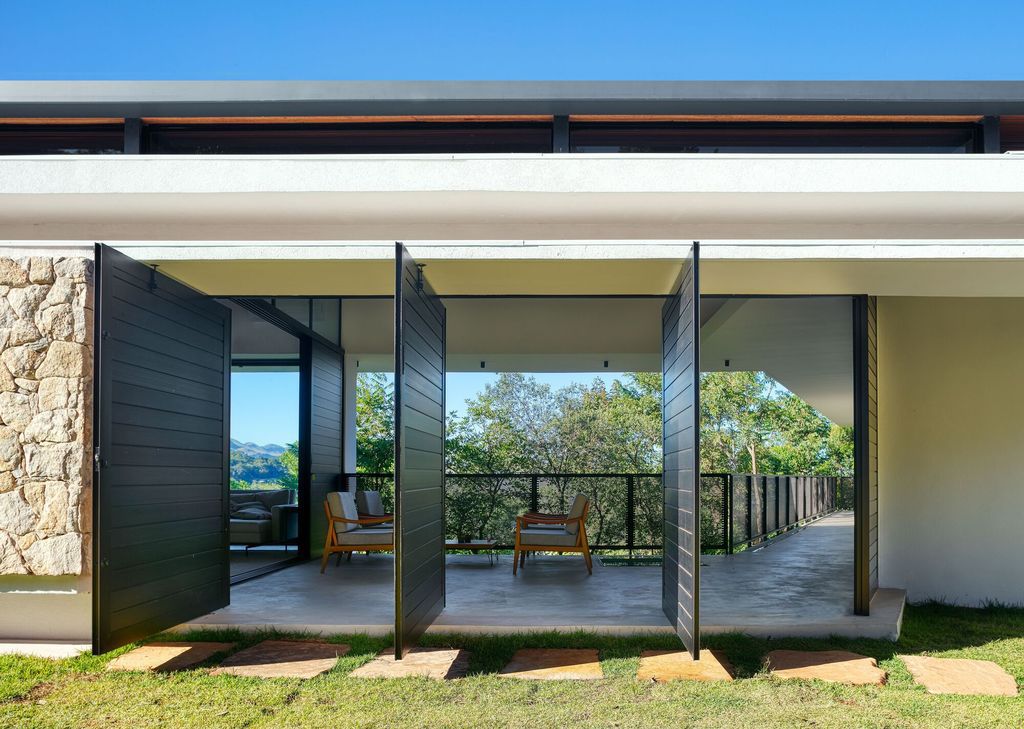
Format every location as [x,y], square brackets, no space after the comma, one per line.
[951,442]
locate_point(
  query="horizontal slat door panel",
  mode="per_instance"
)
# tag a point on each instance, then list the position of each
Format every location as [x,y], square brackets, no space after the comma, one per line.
[162,401]
[419,453]
[680,453]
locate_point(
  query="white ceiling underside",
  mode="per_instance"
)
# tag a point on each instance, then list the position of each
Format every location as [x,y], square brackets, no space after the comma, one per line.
[804,343]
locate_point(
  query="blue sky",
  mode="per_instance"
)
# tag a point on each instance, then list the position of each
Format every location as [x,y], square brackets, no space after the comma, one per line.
[265,409]
[525,39]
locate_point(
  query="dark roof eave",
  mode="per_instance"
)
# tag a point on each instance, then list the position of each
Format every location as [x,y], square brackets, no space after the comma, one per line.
[395,98]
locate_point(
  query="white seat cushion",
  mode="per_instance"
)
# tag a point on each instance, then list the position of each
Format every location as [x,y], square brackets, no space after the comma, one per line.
[367,535]
[547,537]
[343,504]
[369,503]
[578,504]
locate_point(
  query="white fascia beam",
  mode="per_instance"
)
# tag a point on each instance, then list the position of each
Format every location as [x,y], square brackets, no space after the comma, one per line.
[513,197]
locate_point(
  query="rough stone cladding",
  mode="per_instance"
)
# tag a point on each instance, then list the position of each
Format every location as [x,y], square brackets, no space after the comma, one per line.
[46,366]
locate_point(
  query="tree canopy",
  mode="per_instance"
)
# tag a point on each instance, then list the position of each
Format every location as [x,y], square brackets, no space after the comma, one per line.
[749,424]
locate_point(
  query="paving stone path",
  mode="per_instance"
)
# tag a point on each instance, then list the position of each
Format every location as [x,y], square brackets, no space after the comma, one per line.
[283,659]
[309,658]
[167,656]
[832,666]
[551,664]
[437,663]
[960,676]
[663,666]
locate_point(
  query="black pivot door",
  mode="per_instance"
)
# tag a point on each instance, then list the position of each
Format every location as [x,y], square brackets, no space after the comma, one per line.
[419,452]
[320,463]
[161,439]
[681,468]
[865,452]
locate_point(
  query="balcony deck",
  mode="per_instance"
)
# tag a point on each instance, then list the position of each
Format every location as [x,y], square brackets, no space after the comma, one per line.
[798,585]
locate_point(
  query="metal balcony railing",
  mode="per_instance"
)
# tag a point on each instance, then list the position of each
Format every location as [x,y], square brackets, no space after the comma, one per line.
[626,513]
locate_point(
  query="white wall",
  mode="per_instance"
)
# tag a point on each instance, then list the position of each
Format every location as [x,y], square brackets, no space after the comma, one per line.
[951,441]
[38,608]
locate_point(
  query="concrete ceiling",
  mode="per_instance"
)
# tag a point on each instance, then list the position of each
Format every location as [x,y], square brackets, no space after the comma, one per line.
[804,343]
[522,334]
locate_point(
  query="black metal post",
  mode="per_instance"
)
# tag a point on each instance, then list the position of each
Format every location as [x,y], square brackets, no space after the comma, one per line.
[990,135]
[750,509]
[764,506]
[727,527]
[132,136]
[560,135]
[534,493]
[778,517]
[630,513]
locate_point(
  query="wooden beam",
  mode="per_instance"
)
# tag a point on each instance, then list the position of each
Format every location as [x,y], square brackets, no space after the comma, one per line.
[830,119]
[338,119]
[60,121]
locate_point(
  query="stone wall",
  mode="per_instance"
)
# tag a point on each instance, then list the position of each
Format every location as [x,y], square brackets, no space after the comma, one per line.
[46,364]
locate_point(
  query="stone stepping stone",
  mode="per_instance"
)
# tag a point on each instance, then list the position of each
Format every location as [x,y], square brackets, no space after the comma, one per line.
[167,656]
[552,664]
[833,666]
[283,659]
[964,676]
[664,666]
[437,663]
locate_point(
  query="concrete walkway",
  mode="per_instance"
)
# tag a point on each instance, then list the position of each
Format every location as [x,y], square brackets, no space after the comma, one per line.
[801,584]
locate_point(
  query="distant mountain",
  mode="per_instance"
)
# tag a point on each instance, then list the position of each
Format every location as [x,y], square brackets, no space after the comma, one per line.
[254,463]
[271,449]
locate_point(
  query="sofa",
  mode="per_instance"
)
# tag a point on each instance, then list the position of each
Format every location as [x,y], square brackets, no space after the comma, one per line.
[263,517]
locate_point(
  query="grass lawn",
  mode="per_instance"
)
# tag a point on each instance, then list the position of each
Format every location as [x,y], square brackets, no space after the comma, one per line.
[77,692]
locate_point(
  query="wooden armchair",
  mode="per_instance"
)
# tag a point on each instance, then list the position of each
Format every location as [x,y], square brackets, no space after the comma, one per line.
[349,532]
[369,504]
[553,533]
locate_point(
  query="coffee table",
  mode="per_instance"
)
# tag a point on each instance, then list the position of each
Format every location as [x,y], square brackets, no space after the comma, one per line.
[475,545]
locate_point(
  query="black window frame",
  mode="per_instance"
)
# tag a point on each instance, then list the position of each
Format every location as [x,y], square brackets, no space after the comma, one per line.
[26,139]
[788,132]
[157,137]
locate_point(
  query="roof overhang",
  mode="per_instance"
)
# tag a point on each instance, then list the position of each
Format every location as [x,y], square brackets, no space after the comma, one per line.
[513,197]
[82,99]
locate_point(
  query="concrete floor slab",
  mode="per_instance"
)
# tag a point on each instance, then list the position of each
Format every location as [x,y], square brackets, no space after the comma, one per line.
[553,664]
[437,663]
[832,666]
[283,659]
[798,585]
[167,656]
[664,666]
[962,676]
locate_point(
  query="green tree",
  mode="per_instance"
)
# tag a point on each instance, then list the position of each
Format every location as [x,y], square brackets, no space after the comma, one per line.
[290,460]
[375,423]
[751,424]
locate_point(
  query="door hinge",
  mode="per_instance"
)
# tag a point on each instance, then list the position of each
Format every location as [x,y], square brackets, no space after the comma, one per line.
[98,462]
